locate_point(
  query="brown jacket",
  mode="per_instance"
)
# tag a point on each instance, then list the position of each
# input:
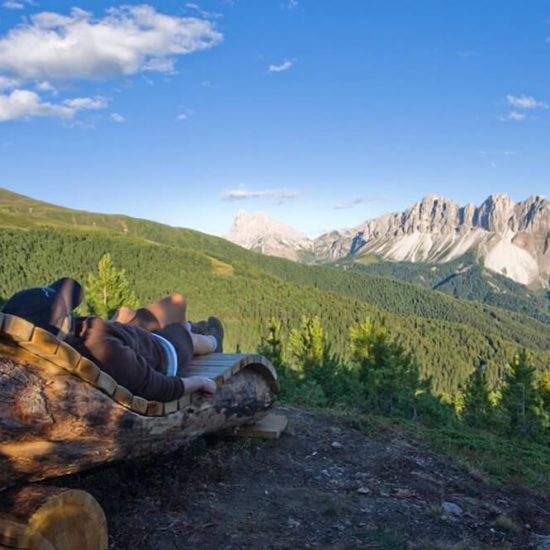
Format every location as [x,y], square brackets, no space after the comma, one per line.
[130,354]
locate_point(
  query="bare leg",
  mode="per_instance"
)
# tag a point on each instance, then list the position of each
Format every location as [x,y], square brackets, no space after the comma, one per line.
[202,344]
[156,316]
[169,310]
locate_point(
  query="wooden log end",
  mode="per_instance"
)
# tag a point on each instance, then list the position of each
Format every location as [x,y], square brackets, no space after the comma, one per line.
[52,518]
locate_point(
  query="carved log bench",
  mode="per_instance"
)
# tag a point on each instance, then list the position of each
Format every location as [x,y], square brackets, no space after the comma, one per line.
[60,414]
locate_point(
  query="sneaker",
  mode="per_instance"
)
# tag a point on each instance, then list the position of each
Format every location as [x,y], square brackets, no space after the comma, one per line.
[200,327]
[215,328]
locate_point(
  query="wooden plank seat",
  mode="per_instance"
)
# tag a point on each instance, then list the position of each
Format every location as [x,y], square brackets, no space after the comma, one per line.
[60,413]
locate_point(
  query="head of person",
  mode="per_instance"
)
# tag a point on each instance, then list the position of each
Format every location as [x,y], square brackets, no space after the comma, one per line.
[48,307]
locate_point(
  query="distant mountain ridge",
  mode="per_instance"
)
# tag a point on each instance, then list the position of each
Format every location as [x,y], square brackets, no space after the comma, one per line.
[509,238]
[262,234]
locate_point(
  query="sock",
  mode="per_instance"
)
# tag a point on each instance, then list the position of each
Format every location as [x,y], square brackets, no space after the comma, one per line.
[214,341]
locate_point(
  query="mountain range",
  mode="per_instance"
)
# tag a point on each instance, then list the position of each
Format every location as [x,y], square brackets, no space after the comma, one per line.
[508,238]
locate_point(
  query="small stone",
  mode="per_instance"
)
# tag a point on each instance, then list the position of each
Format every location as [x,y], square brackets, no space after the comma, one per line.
[451,508]
[384,493]
[292,523]
[336,445]
[363,490]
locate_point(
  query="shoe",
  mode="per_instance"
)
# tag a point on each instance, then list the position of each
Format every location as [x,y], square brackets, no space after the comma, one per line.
[215,328]
[200,327]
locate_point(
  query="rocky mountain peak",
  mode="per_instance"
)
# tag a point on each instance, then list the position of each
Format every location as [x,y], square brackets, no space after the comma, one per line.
[264,234]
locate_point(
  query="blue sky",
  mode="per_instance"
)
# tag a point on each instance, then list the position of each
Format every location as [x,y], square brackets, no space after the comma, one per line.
[319,113]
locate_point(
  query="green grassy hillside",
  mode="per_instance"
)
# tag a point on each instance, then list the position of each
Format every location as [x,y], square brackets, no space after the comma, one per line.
[247,289]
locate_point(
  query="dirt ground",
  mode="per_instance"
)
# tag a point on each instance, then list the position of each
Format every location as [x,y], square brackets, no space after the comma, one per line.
[321,485]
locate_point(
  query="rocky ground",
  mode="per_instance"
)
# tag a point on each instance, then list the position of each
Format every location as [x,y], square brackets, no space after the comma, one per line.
[321,485]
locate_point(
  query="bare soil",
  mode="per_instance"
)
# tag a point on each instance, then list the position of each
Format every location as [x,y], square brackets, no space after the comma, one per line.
[321,485]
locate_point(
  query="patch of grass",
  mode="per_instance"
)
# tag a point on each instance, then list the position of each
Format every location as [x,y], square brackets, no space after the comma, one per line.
[505,523]
[221,268]
[485,455]
[387,539]
[506,461]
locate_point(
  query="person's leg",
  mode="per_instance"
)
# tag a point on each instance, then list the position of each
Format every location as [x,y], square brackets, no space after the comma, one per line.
[156,316]
[169,310]
[203,344]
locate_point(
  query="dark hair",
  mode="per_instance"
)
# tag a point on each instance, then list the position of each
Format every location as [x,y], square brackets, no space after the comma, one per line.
[47,307]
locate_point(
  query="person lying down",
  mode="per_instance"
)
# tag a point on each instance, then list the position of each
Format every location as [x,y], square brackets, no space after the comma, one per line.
[145,350]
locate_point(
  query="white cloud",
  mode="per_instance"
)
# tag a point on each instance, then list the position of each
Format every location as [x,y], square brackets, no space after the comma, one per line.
[45,86]
[349,204]
[86,103]
[510,153]
[525,102]
[292,4]
[13,5]
[514,115]
[117,118]
[185,114]
[18,5]
[8,83]
[201,12]
[129,39]
[26,104]
[242,193]
[281,67]
[355,202]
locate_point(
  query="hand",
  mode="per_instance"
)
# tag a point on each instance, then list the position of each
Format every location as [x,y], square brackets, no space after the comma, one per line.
[199,383]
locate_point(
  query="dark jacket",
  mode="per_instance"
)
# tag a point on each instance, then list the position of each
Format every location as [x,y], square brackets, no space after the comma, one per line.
[130,354]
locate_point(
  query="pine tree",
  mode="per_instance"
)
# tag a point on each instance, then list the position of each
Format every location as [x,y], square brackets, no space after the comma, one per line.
[388,374]
[478,409]
[307,344]
[521,401]
[107,290]
[271,345]
[544,392]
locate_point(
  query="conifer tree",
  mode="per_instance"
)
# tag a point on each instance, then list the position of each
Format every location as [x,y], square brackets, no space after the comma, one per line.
[388,374]
[271,345]
[521,400]
[478,409]
[308,343]
[107,290]
[544,392]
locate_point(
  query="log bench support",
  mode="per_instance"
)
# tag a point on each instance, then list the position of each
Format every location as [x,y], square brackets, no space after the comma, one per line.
[51,518]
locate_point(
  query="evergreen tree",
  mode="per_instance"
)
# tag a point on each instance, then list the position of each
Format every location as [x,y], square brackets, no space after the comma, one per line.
[271,345]
[521,400]
[107,290]
[389,376]
[308,343]
[478,409]
[544,392]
